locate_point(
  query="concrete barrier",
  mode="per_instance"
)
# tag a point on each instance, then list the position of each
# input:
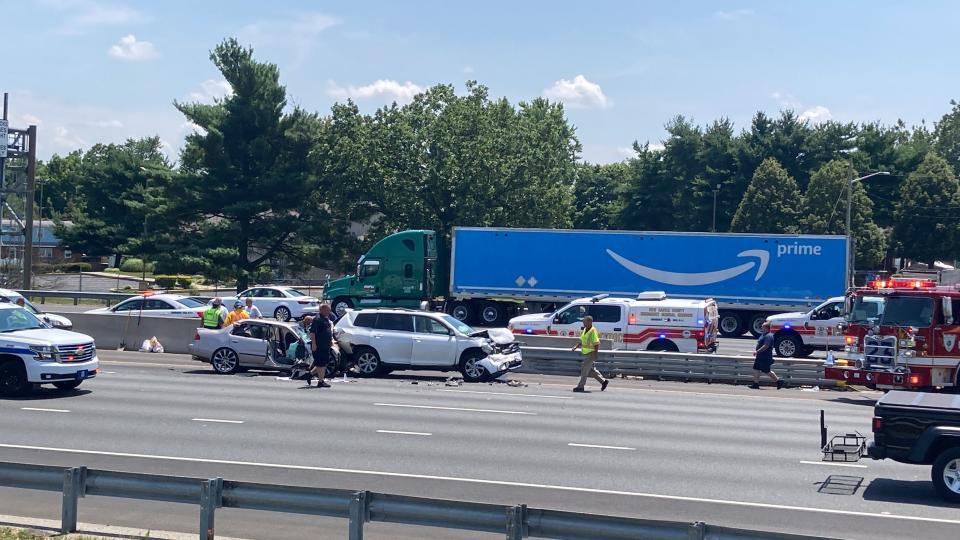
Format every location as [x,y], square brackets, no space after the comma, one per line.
[112,331]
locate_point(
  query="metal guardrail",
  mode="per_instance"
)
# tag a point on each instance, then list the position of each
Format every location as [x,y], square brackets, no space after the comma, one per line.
[109,298]
[358,507]
[676,366]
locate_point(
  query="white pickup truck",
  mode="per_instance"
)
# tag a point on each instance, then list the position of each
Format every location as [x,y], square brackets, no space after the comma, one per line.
[32,353]
[798,334]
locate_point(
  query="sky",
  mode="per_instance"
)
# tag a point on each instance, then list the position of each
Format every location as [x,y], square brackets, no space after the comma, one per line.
[89,71]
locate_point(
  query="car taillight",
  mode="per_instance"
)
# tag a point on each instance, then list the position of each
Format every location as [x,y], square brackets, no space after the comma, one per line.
[196,336]
[200,314]
[877,424]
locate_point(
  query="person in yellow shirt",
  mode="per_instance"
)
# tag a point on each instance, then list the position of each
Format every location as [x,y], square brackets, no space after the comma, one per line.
[589,345]
[238,314]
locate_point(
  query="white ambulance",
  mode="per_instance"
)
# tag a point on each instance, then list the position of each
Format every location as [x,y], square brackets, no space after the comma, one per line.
[651,322]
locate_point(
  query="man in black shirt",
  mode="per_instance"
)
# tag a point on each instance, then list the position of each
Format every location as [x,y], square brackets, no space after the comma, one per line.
[764,358]
[321,343]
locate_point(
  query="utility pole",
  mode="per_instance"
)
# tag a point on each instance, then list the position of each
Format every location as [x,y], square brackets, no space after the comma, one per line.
[716,191]
[28,209]
[23,147]
[850,252]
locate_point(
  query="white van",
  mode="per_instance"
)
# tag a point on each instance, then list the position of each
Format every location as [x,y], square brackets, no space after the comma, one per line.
[651,322]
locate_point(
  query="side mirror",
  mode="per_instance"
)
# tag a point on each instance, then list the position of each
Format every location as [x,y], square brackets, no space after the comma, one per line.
[450,332]
[556,320]
[947,305]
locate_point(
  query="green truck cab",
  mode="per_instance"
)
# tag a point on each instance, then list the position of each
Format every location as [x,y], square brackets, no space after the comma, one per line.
[402,270]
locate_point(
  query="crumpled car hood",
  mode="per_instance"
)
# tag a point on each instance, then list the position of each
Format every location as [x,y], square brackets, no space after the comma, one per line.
[500,336]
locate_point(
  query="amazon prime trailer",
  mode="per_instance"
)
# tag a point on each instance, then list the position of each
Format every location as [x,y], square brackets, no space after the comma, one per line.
[751,276]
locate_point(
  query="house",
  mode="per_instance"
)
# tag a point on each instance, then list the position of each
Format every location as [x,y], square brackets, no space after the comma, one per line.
[46,245]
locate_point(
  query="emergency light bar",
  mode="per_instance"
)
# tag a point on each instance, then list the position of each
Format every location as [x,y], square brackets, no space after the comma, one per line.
[902,283]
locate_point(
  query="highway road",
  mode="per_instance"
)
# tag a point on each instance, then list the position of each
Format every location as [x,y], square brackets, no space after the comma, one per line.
[723,454]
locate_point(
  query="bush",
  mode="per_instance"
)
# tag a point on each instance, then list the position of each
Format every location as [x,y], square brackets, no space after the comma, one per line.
[131,265]
[43,268]
[170,282]
[112,270]
[74,267]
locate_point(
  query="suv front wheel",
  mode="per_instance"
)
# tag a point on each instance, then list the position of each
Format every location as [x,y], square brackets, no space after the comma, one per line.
[470,367]
[946,474]
[13,379]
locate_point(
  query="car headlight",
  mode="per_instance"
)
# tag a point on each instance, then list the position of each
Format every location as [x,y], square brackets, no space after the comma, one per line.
[44,353]
[487,348]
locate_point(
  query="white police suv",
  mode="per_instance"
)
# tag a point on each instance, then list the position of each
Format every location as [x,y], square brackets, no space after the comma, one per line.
[32,353]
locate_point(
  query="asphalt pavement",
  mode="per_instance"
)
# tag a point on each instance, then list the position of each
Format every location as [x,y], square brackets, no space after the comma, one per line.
[723,454]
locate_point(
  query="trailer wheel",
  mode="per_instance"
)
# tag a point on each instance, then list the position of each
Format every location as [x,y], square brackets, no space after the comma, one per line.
[946,474]
[491,313]
[460,311]
[756,322]
[731,325]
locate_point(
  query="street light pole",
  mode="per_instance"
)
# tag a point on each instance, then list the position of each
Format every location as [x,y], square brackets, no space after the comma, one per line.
[850,250]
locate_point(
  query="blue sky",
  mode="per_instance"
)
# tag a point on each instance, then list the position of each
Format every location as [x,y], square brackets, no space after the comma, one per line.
[88,71]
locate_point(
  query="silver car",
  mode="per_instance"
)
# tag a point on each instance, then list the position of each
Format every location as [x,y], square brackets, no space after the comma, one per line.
[251,343]
[381,340]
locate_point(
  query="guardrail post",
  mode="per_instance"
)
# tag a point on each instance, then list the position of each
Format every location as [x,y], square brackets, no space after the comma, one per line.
[359,514]
[74,480]
[517,522]
[697,531]
[211,498]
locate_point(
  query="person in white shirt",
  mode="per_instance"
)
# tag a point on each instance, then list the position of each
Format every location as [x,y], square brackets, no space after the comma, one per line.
[252,310]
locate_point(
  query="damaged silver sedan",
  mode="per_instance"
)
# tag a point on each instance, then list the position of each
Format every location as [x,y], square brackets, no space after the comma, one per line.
[382,340]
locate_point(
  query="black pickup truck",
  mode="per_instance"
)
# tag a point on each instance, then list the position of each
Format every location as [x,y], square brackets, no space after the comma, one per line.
[922,429]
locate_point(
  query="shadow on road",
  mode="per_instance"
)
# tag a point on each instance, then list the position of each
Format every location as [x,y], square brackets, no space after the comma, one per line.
[47,393]
[905,492]
[864,401]
[837,484]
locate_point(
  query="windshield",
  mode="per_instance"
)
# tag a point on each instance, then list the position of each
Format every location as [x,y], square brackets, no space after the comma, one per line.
[460,326]
[865,309]
[294,292]
[191,303]
[907,311]
[13,320]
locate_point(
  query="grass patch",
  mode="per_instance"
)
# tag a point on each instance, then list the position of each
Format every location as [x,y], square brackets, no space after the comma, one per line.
[7,533]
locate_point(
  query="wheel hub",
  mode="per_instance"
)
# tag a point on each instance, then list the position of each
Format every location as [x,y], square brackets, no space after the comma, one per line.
[951,475]
[787,348]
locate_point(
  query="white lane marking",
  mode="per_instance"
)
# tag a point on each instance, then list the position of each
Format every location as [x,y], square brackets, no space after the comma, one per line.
[481,481]
[833,464]
[601,446]
[451,408]
[147,364]
[391,432]
[43,410]
[214,420]
[505,394]
[813,399]
[109,372]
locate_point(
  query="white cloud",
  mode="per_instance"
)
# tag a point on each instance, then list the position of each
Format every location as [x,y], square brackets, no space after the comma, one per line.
[734,15]
[297,33]
[787,101]
[79,16]
[816,115]
[656,147]
[393,90]
[114,124]
[578,93]
[467,69]
[64,138]
[211,90]
[129,48]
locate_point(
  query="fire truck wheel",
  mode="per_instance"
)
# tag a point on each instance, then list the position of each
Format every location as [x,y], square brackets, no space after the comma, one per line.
[946,474]
[788,345]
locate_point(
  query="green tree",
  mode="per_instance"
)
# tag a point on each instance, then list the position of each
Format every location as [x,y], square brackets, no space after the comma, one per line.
[596,195]
[824,211]
[110,183]
[928,211]
[248,193]
[56,180]
[947,135]
[647,195]
[771,204]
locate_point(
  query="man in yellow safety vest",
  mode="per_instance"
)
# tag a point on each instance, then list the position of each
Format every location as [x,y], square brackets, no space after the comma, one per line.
[590,346]
[213,316]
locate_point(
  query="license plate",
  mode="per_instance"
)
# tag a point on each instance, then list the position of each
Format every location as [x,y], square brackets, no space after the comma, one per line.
[82,374]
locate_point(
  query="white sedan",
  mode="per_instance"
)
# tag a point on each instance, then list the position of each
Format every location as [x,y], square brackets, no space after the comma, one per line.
[54,320]
[157,305]
[281,303]
[251,343]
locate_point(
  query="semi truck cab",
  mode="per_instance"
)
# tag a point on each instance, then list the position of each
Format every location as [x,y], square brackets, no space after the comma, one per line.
[398,271]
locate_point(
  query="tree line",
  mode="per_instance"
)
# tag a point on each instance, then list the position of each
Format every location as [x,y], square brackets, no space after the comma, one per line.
[261,181]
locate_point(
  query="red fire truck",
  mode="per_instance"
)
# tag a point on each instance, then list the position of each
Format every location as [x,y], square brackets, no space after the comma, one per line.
[910,341]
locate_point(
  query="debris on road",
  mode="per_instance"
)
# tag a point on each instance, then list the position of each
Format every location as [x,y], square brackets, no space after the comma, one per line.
[454,381]
[515,383]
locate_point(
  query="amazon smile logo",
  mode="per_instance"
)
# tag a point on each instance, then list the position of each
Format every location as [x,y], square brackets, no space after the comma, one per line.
[694,279]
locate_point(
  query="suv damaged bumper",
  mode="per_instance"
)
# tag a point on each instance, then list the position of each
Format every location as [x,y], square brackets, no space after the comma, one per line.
[499,363]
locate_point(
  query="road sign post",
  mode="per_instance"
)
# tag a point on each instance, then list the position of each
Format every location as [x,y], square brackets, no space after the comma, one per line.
[4,131]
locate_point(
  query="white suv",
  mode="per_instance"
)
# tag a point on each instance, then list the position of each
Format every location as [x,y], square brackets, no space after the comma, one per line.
[31,353]
[381,340]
